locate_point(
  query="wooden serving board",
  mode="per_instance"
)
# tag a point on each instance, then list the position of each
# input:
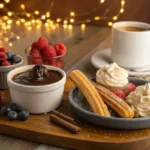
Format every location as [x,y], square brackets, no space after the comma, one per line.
[39,129]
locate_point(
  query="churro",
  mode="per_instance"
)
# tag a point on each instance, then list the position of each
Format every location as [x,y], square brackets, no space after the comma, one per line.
[116,103]
[90,93]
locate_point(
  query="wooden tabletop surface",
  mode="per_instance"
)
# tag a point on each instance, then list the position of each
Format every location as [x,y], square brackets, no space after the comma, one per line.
[80,46]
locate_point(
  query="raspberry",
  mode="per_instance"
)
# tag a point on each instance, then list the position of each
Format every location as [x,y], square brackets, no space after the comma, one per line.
[3,56]
[34,45]
[60,49]
[50,61]
[129,88]
[60,59]
[6,63]
[46,63]
[36,57]
[59,64]
[42,43]
[35,61]
[2,49]
[120,94]
[35,53]
[48,51]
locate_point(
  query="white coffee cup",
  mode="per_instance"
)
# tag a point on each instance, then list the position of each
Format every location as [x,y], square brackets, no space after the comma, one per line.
[130,49]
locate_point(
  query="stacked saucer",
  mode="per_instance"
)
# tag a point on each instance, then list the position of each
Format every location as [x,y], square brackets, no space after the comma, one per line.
[102,57]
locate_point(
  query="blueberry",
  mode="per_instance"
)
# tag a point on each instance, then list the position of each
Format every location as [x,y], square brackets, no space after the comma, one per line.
[13,55]
[23,115]
[12,115]
[5,110]
[10,61]
[13,107]
[9,55]
[15,59]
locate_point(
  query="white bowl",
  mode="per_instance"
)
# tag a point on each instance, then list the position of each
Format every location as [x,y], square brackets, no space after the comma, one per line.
[36,99]
[4,71]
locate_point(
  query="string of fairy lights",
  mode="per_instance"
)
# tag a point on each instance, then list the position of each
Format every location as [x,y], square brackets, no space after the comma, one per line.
[37,20]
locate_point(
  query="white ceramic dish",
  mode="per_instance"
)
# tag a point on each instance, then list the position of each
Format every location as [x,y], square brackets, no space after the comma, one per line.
[102,57]
[36,99]
[130,49]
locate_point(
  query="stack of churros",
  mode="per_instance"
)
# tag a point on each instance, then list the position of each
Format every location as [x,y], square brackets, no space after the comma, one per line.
[98,96]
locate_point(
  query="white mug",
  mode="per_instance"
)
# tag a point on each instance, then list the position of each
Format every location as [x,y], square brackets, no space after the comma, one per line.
[131,49]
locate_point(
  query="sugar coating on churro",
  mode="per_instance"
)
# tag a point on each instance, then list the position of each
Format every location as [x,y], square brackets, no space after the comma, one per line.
[116,103]
[90,93]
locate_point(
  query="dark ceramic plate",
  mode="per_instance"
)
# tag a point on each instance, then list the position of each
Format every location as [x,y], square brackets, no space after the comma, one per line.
[82,109]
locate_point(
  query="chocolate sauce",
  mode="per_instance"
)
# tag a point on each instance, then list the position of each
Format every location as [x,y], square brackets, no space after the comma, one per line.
[38,72]
[38,75]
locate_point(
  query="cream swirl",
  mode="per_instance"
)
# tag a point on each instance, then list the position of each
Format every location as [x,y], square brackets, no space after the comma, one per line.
[112,76]
[139,100]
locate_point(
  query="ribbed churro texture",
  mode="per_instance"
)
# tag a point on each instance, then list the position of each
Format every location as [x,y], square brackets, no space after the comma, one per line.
[116,103]
[90,93]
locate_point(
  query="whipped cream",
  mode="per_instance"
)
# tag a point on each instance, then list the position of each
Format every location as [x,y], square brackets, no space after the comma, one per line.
[139,100]
[112,76]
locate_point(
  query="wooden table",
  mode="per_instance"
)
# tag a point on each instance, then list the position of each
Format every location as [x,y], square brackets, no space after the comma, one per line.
[80,46]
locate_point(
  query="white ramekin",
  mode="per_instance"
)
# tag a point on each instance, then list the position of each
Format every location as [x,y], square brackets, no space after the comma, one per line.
[36,99]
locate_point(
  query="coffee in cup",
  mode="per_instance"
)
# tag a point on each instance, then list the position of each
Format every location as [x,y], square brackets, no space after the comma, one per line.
[131,44]
[132,28]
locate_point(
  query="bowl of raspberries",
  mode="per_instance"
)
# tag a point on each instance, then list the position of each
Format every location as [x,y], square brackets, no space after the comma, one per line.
[8,62]
[42,52]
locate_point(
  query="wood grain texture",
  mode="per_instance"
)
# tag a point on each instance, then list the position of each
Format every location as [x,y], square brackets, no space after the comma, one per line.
[86,43]
[80,48]
[71,39]
[39,129]
[15,144]
[47,147]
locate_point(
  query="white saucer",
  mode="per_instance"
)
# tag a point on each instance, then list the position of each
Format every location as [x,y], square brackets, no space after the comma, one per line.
[101,58]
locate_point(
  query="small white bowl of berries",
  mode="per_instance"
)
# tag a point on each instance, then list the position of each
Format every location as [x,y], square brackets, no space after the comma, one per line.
[42,52]
[8,62]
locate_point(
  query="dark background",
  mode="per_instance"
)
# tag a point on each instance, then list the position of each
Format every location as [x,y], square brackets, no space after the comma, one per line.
[138,10]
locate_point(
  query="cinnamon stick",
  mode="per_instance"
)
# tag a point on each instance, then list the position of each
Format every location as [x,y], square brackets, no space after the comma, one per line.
[67,118]
[71,127]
